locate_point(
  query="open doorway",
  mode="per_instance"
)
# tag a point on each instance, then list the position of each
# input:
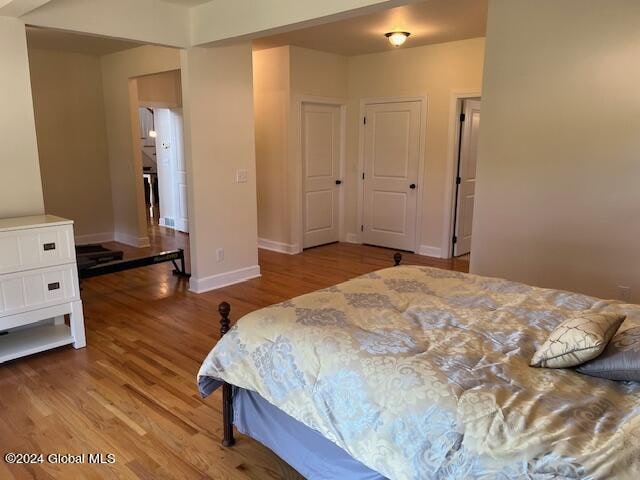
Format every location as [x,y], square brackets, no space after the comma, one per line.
[163,167]
[465,177]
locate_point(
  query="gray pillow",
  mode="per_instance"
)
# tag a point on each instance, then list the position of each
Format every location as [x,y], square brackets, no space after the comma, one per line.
[620,360]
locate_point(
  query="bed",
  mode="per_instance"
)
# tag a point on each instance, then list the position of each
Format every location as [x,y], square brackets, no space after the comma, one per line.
[414,372]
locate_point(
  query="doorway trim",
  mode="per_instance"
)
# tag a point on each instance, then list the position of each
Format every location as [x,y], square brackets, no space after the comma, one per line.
[296,211]
[421,160]
[455,109]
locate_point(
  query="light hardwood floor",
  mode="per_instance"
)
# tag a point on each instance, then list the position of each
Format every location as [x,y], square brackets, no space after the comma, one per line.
[132,391]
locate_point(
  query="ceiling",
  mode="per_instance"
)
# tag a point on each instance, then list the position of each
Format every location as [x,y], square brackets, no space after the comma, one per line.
[187,3]
[47,39]
[432,21]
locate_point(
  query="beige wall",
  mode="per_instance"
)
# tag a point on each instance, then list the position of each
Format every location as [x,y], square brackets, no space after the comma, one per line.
[20,187]
[219,139]
[434,71]
[72,141]
[558,201]
[271,89]
[314,74]
[160,90]
[318,74]
[283,76]
[125,166]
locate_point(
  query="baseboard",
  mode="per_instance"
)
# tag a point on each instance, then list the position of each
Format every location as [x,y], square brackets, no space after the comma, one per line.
[94,238]
[430,251]
[201,285]
[139,242]
[351,238]
[288,248]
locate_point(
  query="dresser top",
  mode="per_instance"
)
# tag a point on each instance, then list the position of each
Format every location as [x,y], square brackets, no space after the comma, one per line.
[35,221]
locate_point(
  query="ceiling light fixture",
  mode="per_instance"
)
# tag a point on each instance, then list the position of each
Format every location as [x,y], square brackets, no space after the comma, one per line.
[397,38]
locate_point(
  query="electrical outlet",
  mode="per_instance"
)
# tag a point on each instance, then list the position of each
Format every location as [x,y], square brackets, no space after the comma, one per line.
[624,292]
[220,254]
[242,175]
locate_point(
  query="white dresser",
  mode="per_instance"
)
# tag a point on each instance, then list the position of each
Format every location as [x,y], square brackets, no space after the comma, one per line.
[38,286]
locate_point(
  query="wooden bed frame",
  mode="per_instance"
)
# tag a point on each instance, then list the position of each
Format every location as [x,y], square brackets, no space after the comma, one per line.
[227,389]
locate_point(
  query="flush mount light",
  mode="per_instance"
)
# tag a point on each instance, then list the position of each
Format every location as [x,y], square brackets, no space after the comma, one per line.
[153,134]
[397,38]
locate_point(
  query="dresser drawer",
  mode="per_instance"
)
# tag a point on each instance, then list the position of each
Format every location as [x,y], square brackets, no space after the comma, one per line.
[36,247]
[21,292]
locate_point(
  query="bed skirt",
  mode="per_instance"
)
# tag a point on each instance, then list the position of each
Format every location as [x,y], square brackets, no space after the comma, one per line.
[312,455]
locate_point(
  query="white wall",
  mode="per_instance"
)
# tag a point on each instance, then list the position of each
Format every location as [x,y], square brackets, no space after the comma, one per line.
[219,20]
[20,187]
[72,141]
[557,201]
[173,24]
[219,140]
[152,21]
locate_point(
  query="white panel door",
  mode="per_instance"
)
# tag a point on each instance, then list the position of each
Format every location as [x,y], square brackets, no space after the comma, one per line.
[467,177]
[180,173]
[165,149]
[172,172]
[320,171]
[391,164]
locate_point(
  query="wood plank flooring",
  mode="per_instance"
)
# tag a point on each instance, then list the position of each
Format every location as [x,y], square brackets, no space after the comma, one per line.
[132,391]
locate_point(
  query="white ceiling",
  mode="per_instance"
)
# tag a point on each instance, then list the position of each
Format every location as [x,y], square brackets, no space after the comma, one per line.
[433,21]
[187,3]
[47,39]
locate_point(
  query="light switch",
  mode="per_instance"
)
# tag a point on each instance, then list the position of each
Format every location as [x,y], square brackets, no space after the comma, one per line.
[241,176]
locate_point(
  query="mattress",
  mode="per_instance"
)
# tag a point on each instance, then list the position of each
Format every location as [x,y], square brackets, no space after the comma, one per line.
[418,372]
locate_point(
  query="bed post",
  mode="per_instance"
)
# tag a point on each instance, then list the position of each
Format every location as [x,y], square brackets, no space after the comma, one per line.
[397,258]
[227,393]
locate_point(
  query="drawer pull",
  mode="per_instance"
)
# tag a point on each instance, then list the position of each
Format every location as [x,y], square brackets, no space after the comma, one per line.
[49,246]
[53,286]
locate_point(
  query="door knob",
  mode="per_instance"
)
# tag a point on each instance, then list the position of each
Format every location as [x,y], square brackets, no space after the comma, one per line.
[412,186]
[338,182]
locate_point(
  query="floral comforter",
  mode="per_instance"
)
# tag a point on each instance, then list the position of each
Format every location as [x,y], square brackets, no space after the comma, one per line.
[423,373]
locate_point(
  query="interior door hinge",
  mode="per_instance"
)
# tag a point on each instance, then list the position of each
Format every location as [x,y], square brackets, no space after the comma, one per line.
[458,180]
[462,117]
[364,120]
[454,240]
[363,175]
[362,228]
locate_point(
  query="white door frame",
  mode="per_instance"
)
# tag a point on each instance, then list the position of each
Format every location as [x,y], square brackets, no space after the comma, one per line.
[421,174]
[455,109]
[297,228]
